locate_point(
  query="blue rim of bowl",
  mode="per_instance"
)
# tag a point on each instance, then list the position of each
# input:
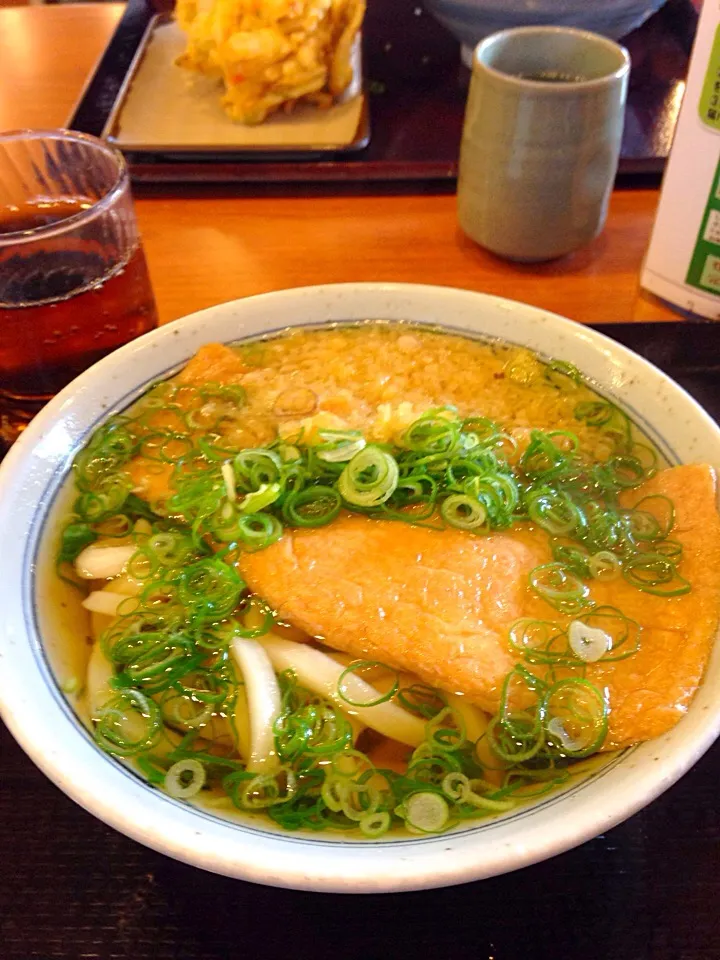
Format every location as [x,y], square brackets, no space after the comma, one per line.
[34,543]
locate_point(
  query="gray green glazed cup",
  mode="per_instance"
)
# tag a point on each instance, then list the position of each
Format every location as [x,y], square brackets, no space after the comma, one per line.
[541,140]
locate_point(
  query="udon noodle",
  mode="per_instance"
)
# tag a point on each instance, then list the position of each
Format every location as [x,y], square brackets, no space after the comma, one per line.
[376,577]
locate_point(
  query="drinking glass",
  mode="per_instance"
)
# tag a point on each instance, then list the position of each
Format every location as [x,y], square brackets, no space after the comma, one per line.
[74,283]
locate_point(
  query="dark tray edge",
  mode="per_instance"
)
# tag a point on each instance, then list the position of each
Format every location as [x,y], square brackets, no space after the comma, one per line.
[96,100]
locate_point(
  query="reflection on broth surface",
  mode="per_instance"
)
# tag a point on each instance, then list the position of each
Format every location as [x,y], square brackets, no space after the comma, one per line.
[380,577]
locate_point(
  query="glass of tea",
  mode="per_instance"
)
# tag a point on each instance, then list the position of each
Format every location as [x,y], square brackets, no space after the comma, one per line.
[74,283]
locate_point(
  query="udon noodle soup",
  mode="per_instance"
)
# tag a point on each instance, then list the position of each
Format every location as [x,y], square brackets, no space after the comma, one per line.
[376,577]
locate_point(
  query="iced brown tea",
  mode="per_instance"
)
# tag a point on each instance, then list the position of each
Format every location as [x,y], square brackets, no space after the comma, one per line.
[74,283]
[61,318]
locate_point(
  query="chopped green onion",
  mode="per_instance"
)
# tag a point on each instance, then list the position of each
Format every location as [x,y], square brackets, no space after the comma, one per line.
[575,558]
[562,374]
[456,786]
[375,824]
[575,713]
[256,467]
[462,511]
[433,433]
[356,668]
[311,730]
[185,779]
[256,792]
[622,472]
[426,812]
[261,498]
[128,724]
[75,537]
[312,507]
[105,499]
[484,431]
[370,478]
[604,565]
[560,587]
[596,413]
[339,445]
[543,459]
[446,731]
[422,699]
[651,506]
[153,770]
[209,589]
[539,641]
[556,728]
[624,633]
[554,511]
[488,803]
[655,573]
[170,548]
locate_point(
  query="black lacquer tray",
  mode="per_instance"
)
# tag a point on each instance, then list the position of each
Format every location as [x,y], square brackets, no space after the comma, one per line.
[416,92]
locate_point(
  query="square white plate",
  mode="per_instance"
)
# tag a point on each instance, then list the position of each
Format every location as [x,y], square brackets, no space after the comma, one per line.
[164,107]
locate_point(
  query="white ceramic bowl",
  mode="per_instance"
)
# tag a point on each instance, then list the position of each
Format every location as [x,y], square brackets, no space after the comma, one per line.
[471,20]
[41,720]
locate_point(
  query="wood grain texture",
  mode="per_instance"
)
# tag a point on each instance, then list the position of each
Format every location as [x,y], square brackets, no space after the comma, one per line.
[209,244]
[203,250]
[46,54]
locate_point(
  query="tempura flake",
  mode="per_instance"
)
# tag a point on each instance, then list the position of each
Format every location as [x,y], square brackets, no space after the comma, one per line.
[272,54]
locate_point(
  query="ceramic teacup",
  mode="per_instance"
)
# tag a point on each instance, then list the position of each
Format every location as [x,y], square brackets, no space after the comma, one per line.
[541,140]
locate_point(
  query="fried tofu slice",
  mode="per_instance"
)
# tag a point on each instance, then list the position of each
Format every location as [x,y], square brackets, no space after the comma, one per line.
[435,603]
[651,690]
[441,603]
[213,363]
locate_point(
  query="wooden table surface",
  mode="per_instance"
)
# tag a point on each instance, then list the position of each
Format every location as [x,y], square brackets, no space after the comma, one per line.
[207,245]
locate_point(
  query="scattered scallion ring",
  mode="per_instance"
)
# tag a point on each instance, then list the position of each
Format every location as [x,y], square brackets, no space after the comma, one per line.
[462,511]
[560,587]
[370,478]
[357,668]
[185,779]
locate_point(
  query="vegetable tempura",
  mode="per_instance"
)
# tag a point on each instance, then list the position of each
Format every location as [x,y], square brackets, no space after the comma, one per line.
[272,53]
